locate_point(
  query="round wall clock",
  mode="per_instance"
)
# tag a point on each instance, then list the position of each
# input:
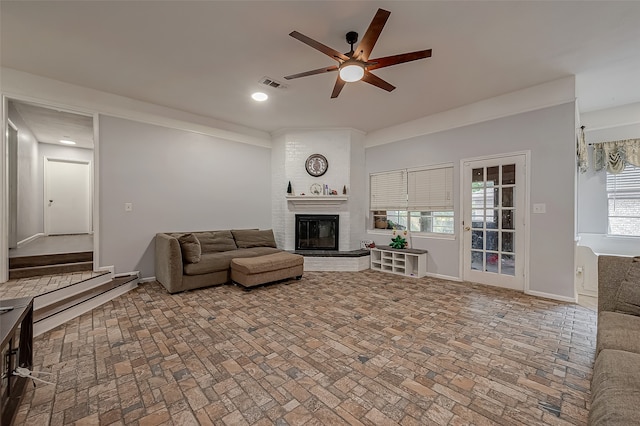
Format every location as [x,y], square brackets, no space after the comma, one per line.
[316,165]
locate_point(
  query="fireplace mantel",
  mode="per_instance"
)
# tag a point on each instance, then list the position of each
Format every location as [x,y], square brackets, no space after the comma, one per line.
[317,200]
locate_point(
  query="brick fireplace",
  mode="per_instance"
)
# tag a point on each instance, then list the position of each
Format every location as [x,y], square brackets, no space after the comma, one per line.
[344,150]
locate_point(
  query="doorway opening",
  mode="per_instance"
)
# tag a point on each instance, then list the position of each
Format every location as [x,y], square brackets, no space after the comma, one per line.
[53,203]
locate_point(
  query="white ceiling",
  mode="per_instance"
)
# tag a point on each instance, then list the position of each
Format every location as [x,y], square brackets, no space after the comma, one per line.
[51,125]
[207,57]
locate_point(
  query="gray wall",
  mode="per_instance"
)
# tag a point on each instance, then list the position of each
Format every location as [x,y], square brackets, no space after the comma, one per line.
[30,196]
[177,181]
[550,136]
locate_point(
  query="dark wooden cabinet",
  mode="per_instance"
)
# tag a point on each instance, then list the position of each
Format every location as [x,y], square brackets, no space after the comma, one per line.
[16,350]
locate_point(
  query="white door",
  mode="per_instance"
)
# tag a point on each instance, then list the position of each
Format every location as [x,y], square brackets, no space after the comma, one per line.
[67,203]
[494,214]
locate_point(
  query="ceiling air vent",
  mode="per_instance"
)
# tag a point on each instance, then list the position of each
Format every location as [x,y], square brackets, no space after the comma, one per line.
[267,81]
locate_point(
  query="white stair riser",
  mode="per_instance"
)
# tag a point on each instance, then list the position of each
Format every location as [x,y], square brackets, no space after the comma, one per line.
[73,312]
[55,296]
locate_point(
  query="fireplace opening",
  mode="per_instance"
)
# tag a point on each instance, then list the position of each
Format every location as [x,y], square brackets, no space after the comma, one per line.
[317,232]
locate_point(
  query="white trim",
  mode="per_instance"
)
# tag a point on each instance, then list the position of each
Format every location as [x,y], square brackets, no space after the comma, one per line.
[30,239]
[147,280]
[527,197]
[55,296]
[21,85]
[127,274]
[111,269]
[95,193]
[533,98]
[551,296]
[443,277]
[86,306]
[4,198]
[313,201]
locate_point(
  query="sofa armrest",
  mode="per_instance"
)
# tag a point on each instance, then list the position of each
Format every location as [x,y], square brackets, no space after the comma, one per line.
[611,272]
[168,261]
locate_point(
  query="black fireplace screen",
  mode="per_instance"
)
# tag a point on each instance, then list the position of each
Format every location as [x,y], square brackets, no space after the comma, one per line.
[317,232]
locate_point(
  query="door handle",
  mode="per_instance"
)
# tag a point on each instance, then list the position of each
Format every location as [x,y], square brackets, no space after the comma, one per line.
[467,228]
[51,201]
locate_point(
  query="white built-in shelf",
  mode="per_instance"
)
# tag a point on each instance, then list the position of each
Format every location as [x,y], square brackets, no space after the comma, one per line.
[317,200]
[407,262]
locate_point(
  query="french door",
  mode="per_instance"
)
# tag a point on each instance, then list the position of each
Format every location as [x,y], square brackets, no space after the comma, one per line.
[494,214]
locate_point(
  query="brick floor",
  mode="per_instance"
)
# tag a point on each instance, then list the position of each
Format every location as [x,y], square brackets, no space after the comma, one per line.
[333,348]
[29,287]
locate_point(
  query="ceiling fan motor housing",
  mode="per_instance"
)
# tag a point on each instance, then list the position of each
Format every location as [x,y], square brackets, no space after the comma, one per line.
[352,38]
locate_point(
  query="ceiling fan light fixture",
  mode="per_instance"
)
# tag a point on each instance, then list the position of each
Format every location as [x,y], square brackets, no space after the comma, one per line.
[351,71]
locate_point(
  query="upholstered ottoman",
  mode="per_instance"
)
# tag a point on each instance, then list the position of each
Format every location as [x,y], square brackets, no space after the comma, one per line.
[254,271]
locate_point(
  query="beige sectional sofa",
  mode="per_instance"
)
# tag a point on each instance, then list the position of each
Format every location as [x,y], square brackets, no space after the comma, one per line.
[183,262]
[615,386]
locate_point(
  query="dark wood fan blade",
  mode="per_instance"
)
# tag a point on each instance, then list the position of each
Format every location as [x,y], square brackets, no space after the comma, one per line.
[377,81]
[319,46]
[371,36]
[312,72]
[398,59]
[338,87]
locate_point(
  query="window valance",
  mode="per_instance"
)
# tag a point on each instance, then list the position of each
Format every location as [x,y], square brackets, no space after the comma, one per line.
[614,156]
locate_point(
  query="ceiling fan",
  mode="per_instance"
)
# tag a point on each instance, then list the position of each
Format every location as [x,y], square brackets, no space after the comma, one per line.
[356,65]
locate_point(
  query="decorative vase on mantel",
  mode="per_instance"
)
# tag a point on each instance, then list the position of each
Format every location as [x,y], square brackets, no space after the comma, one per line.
[289,190]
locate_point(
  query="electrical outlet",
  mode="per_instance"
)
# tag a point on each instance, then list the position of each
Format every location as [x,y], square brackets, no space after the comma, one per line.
[128,207]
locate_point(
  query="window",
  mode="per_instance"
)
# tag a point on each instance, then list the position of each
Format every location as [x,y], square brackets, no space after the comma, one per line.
[417,200]
[623,193]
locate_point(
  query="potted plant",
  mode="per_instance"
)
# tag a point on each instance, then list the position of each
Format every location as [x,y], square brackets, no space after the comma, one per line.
[398,241]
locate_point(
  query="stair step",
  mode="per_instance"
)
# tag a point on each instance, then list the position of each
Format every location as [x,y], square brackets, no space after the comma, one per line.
[63,268]
[77,298]
[69,306]
[49,259]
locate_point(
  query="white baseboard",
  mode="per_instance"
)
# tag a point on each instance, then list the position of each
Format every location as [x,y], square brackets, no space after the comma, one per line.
[147,280]
[126,274]
[551,296]
[443,277]
[29,239]
[111,269]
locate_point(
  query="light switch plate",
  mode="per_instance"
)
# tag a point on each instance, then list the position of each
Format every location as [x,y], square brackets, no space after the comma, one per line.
[540,208]
[128,207]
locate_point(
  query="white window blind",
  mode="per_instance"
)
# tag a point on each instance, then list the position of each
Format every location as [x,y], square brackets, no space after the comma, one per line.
[623,193]
[431,190]
[389,190]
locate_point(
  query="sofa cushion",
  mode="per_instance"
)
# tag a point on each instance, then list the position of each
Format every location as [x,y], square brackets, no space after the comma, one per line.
[216,241]
[267,263]
[190,247]
[628,296]
[615,389]
[618,331]
[209,262]
[247,238]
[214,262]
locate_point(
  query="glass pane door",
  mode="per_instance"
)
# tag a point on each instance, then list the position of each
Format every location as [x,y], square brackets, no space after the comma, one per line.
[494,197]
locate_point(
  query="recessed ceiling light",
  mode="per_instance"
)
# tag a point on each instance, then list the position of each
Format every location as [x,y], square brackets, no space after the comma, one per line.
[259,96]
[67,142]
